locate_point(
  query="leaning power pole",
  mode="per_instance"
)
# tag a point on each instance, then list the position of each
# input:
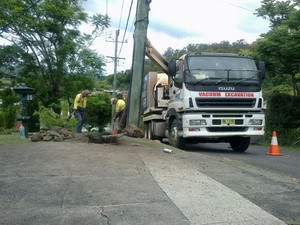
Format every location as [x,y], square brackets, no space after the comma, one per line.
[140,36]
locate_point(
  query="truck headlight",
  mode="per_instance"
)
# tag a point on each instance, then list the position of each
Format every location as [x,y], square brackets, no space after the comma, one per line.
[255,122]
[197,122]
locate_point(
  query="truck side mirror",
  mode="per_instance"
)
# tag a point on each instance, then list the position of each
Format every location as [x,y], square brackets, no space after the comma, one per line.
[172,68]
[262,69]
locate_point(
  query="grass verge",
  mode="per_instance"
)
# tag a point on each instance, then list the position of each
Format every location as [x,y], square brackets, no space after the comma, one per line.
[13,138]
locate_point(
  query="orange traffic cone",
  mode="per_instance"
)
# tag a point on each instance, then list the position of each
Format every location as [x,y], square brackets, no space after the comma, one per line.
[274,149]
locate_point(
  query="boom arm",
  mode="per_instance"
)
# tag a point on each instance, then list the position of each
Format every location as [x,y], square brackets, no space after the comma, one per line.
[156,57]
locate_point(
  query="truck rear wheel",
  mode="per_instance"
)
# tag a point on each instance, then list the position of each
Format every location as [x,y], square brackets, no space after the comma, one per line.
[174,139]
[239,144]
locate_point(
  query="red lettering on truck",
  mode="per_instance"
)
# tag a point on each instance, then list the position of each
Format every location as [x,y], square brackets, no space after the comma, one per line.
[239,94]
[210,94]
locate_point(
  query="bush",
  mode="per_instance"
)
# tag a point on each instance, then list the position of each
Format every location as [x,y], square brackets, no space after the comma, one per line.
[297,139]
[283,116]
[49,119]
[98,111]
[10,113]
[34,122]
[9,110]
[287,137]
[2,118]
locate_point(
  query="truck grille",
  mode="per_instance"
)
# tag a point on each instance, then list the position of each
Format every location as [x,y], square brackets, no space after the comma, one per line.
[227,129]
[225,102]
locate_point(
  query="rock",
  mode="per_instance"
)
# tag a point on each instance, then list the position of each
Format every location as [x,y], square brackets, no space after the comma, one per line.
[47,137]
[66,134]
[36,137]
[59,134]
[54,133]
[58,139]
[133,131]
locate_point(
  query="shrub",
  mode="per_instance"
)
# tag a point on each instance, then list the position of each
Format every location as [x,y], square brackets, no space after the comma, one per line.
[297,139]
[287,137]
[98,112]
[2,117]
[49,119]
[10,113]
[282,116]
[34,122]
[9,110]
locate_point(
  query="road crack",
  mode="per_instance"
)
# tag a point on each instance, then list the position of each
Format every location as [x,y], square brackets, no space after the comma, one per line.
[105,216]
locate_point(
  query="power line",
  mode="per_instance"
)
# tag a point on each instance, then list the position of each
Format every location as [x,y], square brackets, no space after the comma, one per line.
[106,7]
[123,40]
[121,14]
[237,6]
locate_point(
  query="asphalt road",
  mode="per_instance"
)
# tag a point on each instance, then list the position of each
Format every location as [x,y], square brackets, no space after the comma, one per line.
[136,183]
[271,182]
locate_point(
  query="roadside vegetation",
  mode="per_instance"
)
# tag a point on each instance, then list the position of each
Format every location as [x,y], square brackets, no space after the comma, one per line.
[46,50]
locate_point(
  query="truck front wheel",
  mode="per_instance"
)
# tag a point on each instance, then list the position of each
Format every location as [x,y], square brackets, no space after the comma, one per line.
[239,144]
[174,139]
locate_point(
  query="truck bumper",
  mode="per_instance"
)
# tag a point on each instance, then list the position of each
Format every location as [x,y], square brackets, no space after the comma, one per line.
[222,125]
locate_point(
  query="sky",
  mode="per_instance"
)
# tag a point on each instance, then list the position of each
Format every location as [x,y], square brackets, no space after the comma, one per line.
[176,24]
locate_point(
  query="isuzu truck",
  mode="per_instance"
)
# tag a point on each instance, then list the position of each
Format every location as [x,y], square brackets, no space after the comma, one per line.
[205,97]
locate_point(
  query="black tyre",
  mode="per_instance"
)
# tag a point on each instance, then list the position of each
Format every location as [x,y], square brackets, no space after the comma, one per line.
[239,144]
[174,139]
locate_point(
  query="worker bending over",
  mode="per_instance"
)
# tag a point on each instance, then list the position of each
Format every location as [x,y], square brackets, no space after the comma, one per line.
[119,109]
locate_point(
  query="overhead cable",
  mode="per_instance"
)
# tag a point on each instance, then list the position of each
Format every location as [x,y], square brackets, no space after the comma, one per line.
[128,17]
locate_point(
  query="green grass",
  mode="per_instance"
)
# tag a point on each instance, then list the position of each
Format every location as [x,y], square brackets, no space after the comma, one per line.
[12,138]
[289,148]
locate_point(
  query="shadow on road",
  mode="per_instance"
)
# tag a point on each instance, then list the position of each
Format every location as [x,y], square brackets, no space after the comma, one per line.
[218,148]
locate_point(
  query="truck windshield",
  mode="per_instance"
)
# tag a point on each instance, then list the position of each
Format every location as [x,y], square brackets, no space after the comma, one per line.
[219,69]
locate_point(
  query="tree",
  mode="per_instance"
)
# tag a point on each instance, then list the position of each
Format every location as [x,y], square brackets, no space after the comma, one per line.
[122,78]
[280,47]
[52,52]
[98,112]
[8,109]
[276,11]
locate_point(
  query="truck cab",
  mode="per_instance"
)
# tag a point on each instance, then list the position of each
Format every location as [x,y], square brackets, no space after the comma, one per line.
[215,97]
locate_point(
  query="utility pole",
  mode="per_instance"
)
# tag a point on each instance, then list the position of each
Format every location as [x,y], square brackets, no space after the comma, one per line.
[115,58]
[140,36]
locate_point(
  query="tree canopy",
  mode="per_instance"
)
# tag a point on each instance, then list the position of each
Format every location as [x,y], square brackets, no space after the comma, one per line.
[46,47]
[280,47]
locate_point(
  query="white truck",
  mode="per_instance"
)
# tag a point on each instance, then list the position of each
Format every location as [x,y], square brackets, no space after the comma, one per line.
[205,97]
